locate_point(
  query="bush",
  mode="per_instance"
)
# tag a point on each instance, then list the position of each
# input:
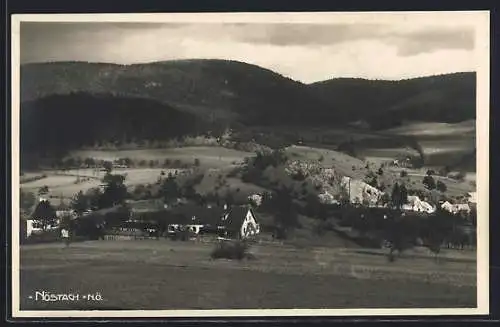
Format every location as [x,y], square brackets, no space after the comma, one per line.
[429,182]
[441,186]
[230,250]
[404,173]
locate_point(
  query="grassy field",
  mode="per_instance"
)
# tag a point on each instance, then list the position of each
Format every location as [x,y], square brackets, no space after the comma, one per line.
[65,185]
[344,165]
[341,162]
[209,156]
[435,129]
[180,275]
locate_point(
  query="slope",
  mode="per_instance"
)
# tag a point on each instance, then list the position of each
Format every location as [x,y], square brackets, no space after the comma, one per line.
[442,98]
[212,89]
[58,123]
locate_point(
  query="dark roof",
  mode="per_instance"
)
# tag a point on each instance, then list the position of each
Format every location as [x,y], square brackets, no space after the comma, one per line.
[204,215]
[145,205]
[236,217]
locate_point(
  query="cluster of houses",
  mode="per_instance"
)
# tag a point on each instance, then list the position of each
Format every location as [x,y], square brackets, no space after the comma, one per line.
[233,222]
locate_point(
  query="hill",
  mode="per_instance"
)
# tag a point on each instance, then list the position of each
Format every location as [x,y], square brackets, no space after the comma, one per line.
[212,89]
[67,105]
[59,123]
[443,98]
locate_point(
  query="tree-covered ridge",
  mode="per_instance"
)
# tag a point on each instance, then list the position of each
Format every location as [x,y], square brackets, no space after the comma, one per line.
[222,89]
[440,98]
[211,88]
[75,120]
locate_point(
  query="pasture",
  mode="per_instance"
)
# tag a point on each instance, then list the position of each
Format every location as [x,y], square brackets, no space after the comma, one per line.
[66,184]
[341,162]
[209,156]
[162,275]
[344,165]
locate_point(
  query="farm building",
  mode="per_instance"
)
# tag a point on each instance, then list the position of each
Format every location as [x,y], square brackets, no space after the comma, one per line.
[131,230]
[230,222]
[195,218]
[472,197]
[456,208]
[239,222]
[417,205]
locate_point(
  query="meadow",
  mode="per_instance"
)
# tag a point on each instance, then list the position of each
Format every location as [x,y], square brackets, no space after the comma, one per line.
[357,169]
[162,275]
[209,156]
[65,184]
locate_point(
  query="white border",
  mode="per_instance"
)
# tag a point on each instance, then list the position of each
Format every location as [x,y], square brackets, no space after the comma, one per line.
[479,19]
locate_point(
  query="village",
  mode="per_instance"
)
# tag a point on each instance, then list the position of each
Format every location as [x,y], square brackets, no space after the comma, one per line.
[187,216]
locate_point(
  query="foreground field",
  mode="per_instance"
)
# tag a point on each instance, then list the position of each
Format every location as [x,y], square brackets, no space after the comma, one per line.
[176,275]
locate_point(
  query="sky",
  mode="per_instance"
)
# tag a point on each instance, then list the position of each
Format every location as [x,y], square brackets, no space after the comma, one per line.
[306,52]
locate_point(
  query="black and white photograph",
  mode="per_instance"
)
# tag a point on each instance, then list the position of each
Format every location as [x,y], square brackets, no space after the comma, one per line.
[250,164]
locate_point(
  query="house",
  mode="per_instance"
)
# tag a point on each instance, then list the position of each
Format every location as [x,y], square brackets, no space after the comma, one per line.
[240,223]
[472,197]
[33,227]
[195,218]
[415,204]
[456,208]
[131,230]
[448,206]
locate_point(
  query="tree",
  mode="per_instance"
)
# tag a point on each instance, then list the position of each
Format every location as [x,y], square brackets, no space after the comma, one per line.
[404,194]
[429,182]
[44,214]
[26,201]
[66,222]
[89,162]
[115,191]
[403,173]
[167,163]
[380,171]
[430,172]
[93,196]
[385,199]
[401,235]
[80,203]
[169,189]
[441,187]
[108,166]
[438,227]
[396,196]
[283,209]
[43,190]
[69,163]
